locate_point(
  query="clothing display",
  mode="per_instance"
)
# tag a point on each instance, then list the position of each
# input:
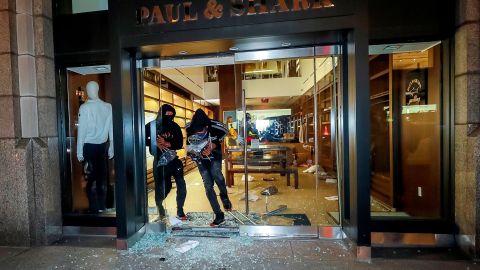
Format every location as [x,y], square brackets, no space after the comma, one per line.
[94,130]
[302,133]
[94,122]
[96,158]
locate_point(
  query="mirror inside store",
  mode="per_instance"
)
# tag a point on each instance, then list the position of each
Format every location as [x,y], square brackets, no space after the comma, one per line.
[290,177]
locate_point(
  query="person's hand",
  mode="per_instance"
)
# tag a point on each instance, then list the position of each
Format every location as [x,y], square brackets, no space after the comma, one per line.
[160,140]
[208,149]
[162,144]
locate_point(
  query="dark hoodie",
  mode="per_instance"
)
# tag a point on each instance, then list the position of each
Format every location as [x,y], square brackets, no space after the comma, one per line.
[217,130]
[166,128]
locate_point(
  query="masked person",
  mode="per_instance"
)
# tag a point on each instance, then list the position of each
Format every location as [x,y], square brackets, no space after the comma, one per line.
[94,130]
[204,138]
[164,137]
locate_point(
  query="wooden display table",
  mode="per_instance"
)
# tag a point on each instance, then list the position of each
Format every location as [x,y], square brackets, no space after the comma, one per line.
[267,159]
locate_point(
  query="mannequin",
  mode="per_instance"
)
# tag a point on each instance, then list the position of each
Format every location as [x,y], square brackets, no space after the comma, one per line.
[95,129]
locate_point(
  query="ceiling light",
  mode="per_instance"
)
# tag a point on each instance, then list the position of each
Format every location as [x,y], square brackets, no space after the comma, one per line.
[392,47]
[286,44]
[233,49]
[101,68]
[258,71]
[182,52]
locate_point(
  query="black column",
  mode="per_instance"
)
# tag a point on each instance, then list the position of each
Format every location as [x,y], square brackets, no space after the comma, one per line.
[127,106]
[357,221]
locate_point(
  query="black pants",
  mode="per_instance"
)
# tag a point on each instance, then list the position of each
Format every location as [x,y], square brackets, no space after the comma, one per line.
[163,182]
[96,156]
[211,172]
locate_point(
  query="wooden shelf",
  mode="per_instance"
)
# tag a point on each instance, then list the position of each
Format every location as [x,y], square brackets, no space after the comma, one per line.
[371,57]
[380,74]
[379,95]
[165,102]
[150,97]
[325,87]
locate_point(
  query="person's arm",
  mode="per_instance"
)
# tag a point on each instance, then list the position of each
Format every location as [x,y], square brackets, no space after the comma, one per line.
[189,133]
[218,129]
[82,126]
[110,135]
[177,140]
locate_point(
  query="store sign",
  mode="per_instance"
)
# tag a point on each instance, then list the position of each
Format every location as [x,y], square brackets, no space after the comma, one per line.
[192,11]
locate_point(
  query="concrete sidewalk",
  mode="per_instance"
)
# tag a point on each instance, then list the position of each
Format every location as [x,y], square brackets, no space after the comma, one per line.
[157,251]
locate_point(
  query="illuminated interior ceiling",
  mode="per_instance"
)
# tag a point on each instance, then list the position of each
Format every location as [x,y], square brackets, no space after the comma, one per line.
[412,60]
[229,46]
[86,70]
[273,102]
[266,67]
[401,47]
[407,55]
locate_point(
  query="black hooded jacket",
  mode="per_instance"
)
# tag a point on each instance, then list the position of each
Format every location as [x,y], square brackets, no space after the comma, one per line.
[217,130]
[166,128]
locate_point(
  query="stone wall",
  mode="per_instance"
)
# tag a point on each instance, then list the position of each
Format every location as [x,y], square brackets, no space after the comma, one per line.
[467,125]
[30,199]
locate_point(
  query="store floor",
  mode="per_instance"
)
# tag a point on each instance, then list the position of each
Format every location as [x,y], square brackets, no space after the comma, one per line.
[305,200]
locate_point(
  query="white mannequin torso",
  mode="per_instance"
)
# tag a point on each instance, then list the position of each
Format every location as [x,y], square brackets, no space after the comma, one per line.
[94,123]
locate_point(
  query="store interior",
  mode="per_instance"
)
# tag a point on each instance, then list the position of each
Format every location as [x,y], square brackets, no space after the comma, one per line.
[280,94]
[280,134]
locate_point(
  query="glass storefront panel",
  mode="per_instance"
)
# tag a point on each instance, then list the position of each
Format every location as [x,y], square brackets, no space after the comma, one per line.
[406,131]
[291,121]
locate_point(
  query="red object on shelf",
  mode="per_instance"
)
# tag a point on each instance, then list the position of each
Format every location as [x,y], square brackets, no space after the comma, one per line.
[325,131]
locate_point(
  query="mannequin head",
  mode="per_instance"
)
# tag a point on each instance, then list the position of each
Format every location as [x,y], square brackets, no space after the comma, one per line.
[92,90]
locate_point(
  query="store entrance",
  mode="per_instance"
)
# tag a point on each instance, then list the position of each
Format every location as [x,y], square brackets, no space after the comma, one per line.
[280,154]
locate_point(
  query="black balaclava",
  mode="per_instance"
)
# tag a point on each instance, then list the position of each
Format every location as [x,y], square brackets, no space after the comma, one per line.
[166,119]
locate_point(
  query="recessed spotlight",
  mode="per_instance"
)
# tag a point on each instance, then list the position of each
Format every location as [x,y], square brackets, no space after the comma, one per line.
[182,52]
[286,44]
[392,47]
[233,49]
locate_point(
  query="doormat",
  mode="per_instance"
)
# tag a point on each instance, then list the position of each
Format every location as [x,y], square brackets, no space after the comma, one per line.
[298,219]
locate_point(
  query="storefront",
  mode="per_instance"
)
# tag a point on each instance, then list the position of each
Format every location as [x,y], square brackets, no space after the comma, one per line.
[382,105]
